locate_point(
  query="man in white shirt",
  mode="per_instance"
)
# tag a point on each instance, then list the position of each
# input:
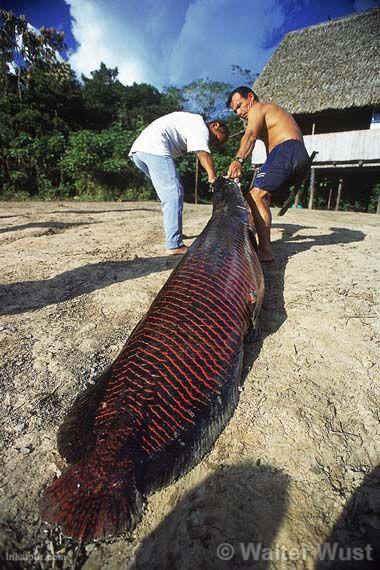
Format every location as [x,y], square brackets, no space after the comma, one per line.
[154,151]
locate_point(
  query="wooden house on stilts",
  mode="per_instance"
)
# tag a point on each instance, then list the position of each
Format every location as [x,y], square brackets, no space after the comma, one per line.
[328,77]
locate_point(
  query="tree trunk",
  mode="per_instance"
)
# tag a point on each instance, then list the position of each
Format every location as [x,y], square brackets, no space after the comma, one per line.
[4,162]
[19,83]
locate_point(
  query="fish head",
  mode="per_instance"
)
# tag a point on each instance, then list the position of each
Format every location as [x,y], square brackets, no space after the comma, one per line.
[228,198]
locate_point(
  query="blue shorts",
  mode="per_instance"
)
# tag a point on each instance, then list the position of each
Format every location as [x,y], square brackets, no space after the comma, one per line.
[287,164]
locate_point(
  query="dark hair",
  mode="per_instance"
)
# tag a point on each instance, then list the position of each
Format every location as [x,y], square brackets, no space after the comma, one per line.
[223,128]
[243,90]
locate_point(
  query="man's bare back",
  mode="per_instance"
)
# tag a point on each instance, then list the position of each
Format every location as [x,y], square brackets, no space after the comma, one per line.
[272,124]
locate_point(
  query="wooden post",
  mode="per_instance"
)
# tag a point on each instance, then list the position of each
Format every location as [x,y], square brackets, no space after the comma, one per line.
[297,198]
[340,186]
[329,201]
[378,205]
[312,189]
[196,179]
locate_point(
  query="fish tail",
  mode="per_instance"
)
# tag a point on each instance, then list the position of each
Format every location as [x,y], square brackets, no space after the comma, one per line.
[93,499]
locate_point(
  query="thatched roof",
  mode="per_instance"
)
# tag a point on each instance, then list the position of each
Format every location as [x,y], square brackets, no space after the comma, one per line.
[334,65]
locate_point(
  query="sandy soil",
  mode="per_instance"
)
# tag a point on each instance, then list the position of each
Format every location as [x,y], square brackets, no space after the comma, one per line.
[298,463]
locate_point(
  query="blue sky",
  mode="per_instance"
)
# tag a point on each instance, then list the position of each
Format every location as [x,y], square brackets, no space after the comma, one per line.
[172,42]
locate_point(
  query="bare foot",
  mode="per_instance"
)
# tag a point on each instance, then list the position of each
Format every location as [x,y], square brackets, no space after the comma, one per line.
[177,250]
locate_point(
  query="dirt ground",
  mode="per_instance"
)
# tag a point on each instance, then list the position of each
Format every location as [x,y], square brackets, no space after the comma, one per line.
[296,467]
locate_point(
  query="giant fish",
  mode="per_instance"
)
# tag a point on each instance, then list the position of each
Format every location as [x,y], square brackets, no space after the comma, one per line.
[156,411]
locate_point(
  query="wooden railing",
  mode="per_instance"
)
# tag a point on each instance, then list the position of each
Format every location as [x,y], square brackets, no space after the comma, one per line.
[344,147]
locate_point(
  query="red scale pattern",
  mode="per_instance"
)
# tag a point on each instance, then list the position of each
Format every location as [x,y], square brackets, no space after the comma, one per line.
[173,371]
[187,342]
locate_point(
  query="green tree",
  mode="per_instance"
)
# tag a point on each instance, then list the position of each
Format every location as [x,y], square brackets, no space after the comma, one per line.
[40,101]
[206,97]
[23,49]
[374,199]
[97,164]
[144,103]
[103,97]
[62,137]
[244,76]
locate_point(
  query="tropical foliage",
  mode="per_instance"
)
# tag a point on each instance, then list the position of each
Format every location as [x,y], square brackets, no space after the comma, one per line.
[61,137]
[64,137]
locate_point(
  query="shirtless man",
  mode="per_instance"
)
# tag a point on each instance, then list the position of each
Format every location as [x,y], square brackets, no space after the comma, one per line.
[287,160]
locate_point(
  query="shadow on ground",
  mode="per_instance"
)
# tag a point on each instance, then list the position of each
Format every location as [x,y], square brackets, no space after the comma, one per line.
[355,539]
[91,212]
[273,313]
[31,295]
[58,226]
[11,216]
[214,523]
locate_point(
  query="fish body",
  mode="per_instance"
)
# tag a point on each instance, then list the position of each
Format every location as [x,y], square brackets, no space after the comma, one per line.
[165,399]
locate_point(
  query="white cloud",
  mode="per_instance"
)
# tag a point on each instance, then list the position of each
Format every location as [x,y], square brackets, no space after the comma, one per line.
[219,33]
[171,41]
[100,36]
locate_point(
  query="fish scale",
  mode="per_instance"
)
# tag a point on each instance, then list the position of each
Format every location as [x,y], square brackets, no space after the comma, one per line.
[163,402]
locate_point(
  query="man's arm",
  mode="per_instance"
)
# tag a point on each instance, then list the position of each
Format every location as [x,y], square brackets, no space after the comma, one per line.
[254,127]
[206,161]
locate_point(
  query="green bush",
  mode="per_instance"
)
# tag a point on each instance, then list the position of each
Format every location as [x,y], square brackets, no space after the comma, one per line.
[374,199]
[10,194]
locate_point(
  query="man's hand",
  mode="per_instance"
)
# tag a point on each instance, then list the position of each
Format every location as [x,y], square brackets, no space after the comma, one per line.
[213,184]
[235,170]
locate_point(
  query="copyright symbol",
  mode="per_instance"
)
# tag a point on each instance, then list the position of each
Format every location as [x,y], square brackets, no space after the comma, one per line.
[225,551]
